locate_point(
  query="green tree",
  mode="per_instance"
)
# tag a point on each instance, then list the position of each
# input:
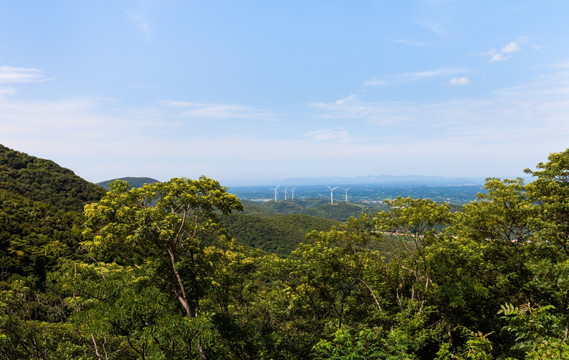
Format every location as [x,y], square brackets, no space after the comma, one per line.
[503,214]
[168,226]
[550,191]
[540,332]
[415,224]
[485,261]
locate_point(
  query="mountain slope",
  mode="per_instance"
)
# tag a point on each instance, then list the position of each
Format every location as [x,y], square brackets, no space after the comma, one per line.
[340,211]
[43,180]
[275,233]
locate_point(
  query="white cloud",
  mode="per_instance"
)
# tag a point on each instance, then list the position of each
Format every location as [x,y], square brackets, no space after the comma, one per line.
[10,75]
[503,54]
[415,43]
[459,81]
[352,108]
[328,134]
[403,78]
[498,57]
[436,72]
[538,108]
[18,75]
[219,111]
[511,47]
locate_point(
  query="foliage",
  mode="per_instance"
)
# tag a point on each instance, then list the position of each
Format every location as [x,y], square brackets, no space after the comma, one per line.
[540,332]
[32,236]
[157,275]
[43,180]
[550,191]
[278,234]
[340,211]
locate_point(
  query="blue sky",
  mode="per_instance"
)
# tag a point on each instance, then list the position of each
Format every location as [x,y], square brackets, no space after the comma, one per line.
[278,89]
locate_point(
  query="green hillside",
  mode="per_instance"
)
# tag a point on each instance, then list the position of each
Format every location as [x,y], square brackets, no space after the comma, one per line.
[340,211]
[278,234]
[40,214]
[44,180]
[33,235]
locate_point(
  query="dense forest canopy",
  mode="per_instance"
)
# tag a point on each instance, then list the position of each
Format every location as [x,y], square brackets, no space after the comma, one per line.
[158,272]
[44,180]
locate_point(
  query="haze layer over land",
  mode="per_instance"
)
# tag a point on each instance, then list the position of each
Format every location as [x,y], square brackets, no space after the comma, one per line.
[281,89]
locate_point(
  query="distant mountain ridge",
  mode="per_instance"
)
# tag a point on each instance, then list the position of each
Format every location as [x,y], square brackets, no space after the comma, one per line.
[419,180]
[363,180]
[135,182]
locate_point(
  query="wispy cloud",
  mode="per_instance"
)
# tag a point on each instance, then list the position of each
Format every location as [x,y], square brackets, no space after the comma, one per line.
[415,43]
[433,26]
[219,111]
[10,76]
[18,75]
[504,53]
[511,47]
[404,78]
[537,107]
[328,134]
[436,72]
[352,108]
[459,81]
[496,56]
[374,82]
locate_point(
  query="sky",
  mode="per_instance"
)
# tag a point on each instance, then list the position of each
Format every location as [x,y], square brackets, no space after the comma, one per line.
[238,90]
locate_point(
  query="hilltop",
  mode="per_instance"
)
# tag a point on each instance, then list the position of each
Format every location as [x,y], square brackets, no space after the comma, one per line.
[44,180]
[135,182]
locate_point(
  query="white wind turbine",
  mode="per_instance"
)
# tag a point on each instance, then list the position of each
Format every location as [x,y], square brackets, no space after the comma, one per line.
[286,188]
[346,190]
[332,194]
[293,192]
[276,193]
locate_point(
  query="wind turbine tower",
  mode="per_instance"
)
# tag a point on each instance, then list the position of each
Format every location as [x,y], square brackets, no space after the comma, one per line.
[332,194]
[293,192]
[346,190]
[286,188]
[276,193]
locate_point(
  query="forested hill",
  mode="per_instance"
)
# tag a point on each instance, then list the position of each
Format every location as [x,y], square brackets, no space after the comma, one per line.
[43,180]
[340,211]
[135,182]
[274,233]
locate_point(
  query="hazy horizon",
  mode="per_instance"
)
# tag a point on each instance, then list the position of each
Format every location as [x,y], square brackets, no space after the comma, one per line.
[396,180]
